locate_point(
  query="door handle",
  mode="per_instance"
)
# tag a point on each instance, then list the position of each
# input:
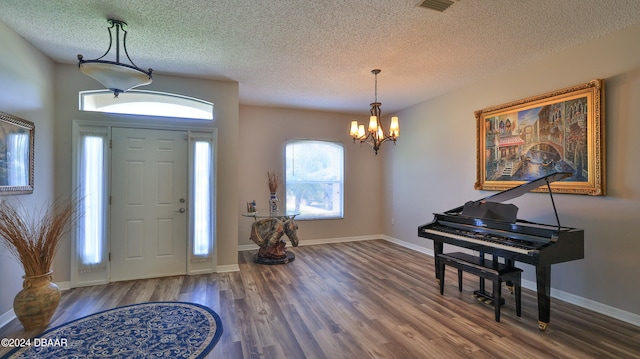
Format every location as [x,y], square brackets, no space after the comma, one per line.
[181,210]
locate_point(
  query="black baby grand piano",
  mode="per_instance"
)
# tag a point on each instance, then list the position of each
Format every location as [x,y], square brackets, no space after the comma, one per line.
[490,227]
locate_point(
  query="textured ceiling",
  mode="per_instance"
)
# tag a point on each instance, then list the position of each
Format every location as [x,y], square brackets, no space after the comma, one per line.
[319,54]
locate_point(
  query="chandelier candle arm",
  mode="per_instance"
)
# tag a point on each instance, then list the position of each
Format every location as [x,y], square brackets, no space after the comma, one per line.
[354,129]
[375,136]
[373,123]
[394,127]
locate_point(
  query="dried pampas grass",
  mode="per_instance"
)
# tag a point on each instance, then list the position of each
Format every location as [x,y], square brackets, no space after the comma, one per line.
[273,181]
[35,241]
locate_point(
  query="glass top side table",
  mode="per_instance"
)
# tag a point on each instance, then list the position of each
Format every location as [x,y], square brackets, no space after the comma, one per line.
[260,215]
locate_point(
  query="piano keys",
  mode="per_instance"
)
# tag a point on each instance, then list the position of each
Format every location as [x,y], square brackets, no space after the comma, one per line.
[491,227]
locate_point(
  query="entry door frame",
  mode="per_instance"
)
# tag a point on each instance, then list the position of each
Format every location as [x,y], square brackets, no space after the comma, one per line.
[161,238]
[196,129]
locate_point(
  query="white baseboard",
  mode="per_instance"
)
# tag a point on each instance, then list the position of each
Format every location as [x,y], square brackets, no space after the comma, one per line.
[313,242]
[597,307]
[64,285]
[91,283]
[247,247]
[201,271]
[7,317]
[409,245]
[227,268]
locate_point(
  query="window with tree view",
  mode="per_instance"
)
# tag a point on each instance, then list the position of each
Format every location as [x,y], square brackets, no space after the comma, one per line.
[314,174]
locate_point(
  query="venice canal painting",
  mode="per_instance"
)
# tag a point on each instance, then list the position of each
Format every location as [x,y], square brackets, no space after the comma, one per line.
[528,144]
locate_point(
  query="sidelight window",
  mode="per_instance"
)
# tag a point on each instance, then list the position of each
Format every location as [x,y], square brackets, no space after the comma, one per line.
[202,185]
[92,196]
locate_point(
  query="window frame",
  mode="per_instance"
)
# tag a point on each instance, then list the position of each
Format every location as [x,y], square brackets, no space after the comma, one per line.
[196,137]
[90,273]
[103,101]
[312,217]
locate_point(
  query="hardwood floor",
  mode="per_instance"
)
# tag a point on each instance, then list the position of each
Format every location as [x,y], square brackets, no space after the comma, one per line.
[369,299]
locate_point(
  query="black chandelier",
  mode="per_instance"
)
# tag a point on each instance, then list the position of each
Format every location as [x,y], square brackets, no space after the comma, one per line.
[375,136]
[116,76]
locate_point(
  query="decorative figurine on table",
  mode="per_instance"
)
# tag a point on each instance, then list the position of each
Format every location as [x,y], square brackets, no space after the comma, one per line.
[251,206]
[267,234]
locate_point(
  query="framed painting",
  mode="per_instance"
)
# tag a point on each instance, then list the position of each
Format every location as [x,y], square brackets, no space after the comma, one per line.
[16,155]
[560,131]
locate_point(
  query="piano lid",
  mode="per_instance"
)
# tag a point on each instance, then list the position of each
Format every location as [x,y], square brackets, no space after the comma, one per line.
[526,187]
[518,191]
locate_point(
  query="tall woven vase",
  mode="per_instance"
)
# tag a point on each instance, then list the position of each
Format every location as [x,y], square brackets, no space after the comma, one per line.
[36,303]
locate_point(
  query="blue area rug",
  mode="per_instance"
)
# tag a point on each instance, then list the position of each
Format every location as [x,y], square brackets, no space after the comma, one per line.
[146,330]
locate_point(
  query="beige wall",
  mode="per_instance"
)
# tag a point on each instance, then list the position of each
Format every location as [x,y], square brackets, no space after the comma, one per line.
[433,168]
[263,134]
[26,91]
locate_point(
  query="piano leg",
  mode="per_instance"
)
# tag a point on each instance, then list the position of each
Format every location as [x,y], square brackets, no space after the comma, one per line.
[509,284]
[481,288]
[543,279]
[437,249]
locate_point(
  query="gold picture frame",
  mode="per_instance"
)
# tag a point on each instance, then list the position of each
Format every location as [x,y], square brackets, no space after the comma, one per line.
[16,155]
[560,131]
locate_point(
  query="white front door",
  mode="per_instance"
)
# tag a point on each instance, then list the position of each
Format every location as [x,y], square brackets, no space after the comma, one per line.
[148,227]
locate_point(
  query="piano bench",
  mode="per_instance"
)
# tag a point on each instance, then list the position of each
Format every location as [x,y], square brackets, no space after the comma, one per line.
[486,269]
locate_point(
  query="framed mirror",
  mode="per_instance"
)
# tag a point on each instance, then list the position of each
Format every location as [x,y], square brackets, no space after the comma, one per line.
[16,155]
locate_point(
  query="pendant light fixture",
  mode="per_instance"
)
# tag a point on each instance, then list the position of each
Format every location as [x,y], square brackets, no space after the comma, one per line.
[114,75]
[375,135]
